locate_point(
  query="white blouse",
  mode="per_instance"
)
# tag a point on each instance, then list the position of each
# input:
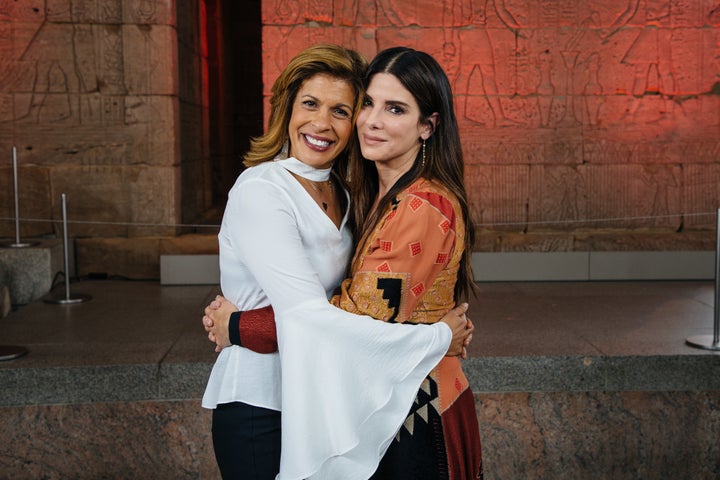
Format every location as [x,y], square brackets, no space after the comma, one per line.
[347,381]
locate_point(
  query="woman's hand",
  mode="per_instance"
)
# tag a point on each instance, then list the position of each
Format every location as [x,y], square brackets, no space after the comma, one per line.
[216,319]
[462,329]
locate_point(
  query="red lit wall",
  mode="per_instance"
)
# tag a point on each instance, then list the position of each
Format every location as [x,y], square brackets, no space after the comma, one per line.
[583,123]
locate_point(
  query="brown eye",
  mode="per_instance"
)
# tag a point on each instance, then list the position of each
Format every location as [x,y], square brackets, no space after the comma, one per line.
[341,112]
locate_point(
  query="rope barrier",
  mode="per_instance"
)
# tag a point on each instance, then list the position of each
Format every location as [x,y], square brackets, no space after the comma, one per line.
[481,224]
[122,224]
[596,220]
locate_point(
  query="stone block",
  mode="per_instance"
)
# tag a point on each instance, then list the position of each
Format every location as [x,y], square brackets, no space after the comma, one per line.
[117,200]
[498,196]
[594,240]
[633,196]
[702,195]
[536,242]
[33,200]
[138,258]
[149,55]
[191,244]
[31,270]
[102,11]
[120,440]
[617,241]
[96,196]
[281,44]
[619,435]
[275,12]
[114,131]
[30,10]
[151,124]
[151,13]
[353,14]
[603,196]
[155,201]
[135,258]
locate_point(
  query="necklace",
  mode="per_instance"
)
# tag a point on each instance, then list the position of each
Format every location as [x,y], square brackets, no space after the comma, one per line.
[319,187]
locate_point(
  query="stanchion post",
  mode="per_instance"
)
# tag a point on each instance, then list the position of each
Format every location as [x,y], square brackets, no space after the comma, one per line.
[66,300]
[716,331]
[16,197]
[11,352]
[66,254]
[712,342]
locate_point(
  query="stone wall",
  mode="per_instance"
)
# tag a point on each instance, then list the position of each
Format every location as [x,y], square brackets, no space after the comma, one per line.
[106,101]
[91,95]
[557,435]
[586,125]
[573,114]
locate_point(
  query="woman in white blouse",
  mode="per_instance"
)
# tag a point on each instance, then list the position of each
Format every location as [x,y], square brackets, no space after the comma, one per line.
[285,240]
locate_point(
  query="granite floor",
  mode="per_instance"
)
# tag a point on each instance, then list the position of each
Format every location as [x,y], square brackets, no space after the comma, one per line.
[145,322]
[571,380]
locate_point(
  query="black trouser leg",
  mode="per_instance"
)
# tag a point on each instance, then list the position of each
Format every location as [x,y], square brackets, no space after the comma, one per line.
[246,440]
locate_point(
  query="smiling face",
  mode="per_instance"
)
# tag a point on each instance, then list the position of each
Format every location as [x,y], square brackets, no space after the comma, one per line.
[321,121]
[388,124]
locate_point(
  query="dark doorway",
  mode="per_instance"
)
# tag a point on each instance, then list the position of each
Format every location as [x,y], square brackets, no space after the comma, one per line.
[234,36]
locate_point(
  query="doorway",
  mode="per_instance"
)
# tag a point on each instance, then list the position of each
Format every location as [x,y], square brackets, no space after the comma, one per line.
[234,40]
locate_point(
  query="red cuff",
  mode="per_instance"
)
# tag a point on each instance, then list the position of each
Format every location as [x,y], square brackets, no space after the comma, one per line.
[257,330]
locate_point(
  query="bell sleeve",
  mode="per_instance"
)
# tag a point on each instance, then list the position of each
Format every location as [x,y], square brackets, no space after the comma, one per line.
[348,381]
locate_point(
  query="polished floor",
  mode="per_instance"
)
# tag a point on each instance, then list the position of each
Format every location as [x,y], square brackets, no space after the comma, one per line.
[139,321]
[571,380]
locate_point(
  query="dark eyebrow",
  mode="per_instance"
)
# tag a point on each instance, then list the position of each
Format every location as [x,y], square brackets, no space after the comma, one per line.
[391,102]
[398,103]
[317,100]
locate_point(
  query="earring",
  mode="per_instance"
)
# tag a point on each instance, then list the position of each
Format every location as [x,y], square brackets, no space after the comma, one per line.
[422,164]
[285,150]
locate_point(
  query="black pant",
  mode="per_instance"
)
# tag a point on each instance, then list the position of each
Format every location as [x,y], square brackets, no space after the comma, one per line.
[246,440]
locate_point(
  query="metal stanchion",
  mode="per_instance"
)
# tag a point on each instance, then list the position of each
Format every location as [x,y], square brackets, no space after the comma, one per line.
[66,300]
[18,243]
[712,342]
[10,352]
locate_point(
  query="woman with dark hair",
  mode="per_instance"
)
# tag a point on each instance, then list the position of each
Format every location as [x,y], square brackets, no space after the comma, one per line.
[410,195]
[286,240]
[411,264]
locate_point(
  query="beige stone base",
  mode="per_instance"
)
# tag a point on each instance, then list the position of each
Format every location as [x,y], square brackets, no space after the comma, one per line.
[137,258]
[602,240]
[562,435]
[142,440]
[582,435]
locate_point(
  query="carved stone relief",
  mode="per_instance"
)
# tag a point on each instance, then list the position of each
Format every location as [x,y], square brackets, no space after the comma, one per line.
[86,90]
[608,104]
[571,113]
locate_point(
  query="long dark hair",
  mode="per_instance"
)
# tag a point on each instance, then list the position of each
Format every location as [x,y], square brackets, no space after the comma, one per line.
[425,79]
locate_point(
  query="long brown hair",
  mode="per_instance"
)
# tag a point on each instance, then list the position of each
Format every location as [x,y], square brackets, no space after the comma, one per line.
[425,79]
[333,60]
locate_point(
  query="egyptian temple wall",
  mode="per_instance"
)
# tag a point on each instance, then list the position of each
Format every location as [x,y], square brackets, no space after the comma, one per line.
[91,95]
[573,114]
[586,125]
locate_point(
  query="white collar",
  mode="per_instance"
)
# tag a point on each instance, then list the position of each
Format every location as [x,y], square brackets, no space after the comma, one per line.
[304,170]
